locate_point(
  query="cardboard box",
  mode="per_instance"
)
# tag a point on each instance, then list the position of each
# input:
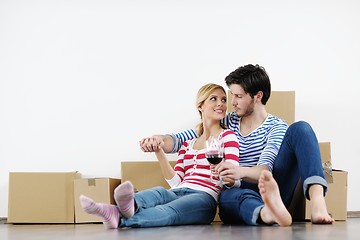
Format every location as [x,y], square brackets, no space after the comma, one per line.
[280,104]
[99,189]
[325,152]
[41,197]
[143,174]
[146,174]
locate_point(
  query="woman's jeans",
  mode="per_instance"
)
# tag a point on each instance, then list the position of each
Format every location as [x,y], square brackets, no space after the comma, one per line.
[161,207]
[298,157]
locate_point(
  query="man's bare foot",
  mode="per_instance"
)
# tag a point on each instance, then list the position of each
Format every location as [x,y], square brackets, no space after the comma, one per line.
[274,210]
[319,213]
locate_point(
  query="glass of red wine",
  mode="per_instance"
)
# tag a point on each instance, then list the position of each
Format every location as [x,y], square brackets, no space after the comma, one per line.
[214,154]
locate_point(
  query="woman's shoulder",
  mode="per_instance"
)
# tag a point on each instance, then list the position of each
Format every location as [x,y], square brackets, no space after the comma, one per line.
[227,132]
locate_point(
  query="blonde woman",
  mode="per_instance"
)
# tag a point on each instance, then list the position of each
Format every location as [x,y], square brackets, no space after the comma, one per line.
[192,198]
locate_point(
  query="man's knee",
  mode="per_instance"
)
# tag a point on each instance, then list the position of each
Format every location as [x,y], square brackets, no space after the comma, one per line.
[300,127]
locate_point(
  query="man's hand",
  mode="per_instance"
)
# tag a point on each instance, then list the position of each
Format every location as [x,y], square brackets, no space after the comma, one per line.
[228,170]
[151,144]
[248,174]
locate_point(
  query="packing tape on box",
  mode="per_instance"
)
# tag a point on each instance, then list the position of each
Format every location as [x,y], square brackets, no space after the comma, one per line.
[328,172]
[91,182]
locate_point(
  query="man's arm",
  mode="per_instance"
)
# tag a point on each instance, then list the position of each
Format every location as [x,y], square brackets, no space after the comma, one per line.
[248,174]
[252,174]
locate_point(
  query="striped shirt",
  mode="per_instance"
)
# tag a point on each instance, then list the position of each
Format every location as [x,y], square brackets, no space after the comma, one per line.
[193,169]
[260,147]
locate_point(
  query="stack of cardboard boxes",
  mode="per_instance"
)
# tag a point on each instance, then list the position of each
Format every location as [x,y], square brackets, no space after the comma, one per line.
[54,197]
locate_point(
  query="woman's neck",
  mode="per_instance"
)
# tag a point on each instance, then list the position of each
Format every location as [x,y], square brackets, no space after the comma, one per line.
[213,130]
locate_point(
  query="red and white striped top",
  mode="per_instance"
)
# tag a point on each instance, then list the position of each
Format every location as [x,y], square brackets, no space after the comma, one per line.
[193,169]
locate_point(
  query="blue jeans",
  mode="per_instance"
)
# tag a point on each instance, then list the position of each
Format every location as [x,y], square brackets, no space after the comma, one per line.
[158,207]
[298,157]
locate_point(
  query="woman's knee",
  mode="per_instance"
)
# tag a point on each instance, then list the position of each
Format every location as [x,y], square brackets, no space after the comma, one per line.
[157,191]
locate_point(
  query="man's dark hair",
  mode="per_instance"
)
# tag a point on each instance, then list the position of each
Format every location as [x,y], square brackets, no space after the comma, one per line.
[252,78]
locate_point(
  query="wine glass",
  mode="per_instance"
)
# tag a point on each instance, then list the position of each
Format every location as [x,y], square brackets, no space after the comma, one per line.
[214,154]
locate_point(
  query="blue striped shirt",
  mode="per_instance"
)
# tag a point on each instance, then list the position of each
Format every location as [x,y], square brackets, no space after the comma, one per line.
[260,147]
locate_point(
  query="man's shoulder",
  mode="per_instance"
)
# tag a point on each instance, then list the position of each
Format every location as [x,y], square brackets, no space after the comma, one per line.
[273,121]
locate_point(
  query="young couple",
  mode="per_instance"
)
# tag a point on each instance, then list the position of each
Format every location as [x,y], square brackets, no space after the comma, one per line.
[273,157]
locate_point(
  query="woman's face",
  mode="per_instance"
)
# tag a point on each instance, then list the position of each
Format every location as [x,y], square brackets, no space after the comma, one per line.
[214,107]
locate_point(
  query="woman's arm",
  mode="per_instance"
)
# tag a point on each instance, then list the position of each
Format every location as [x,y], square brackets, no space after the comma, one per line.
[170,143]
[156,142]
[166,169]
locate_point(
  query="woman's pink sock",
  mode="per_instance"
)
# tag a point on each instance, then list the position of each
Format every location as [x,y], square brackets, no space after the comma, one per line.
[124,198]
[109,213]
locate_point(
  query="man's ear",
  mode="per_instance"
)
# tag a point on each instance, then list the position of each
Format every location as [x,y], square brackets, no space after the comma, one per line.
[259,96]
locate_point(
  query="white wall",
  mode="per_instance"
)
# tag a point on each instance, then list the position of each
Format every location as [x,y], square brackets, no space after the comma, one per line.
[82,81]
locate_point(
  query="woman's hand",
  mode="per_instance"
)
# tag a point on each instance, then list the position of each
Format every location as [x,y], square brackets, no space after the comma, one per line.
[151,144]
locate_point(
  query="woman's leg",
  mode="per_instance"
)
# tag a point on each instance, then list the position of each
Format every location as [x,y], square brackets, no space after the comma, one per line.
[153,197]
[189,207]
[124,198]
[108,213]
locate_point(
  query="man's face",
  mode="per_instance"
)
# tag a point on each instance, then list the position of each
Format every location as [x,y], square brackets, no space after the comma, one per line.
[243,103]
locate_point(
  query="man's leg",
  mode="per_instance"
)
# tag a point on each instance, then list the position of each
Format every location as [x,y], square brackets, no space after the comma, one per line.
[238,206]
[299,157]
[274,210]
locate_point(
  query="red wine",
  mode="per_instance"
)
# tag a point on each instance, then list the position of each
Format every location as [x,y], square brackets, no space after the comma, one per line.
[214,159]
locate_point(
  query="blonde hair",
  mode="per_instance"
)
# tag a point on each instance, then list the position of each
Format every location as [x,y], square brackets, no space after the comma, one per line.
[203,93]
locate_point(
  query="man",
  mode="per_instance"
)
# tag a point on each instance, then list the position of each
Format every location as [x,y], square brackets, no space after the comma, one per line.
[267,145]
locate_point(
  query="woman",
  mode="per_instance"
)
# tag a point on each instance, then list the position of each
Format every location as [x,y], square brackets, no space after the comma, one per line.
[192,198]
